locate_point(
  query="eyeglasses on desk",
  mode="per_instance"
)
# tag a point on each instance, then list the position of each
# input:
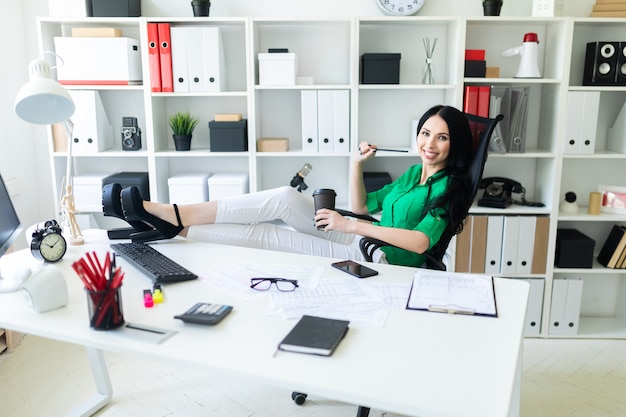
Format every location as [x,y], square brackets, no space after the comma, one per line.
[282,284]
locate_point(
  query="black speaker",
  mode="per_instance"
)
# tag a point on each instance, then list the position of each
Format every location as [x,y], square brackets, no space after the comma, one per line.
[601,63]
[621,64]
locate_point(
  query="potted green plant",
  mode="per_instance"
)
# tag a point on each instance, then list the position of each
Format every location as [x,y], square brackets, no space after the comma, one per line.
[201,7]
[182,125]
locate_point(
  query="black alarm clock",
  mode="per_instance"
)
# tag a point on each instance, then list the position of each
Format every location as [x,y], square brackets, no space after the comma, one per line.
[48,244]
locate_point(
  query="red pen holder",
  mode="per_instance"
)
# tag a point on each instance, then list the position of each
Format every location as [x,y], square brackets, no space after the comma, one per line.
[105,309]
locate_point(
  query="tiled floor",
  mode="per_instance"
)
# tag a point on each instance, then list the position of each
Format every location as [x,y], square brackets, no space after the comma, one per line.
[562,378]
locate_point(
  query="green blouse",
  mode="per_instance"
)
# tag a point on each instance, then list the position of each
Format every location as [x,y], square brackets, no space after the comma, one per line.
[402,203]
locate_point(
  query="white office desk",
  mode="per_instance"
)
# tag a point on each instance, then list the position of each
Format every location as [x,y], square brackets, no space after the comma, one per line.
[420,363]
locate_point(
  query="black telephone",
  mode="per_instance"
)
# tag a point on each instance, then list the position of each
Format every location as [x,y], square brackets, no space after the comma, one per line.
[498,192]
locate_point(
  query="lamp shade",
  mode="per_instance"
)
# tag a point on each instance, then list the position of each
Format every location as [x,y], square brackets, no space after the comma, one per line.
[43,100]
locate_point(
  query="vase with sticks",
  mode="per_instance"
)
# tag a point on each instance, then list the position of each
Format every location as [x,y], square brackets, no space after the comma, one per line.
[428,76]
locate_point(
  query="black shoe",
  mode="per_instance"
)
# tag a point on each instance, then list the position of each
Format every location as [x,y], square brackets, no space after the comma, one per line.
[132,206]
[112,207]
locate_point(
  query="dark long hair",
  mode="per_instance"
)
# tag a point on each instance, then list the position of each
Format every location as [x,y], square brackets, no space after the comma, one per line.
[455,200]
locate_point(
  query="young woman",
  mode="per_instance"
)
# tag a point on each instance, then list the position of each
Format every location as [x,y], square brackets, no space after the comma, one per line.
[416,208]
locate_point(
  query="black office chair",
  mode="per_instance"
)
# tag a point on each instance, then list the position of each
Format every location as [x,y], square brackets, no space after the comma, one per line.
[482,128]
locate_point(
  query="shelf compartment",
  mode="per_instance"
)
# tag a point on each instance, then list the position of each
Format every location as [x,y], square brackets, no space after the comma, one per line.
[531,173]
[386,117]
[603,312]
[592,30]
[384,35]
[204,107]
[612,101]
[542,128]
[233,35]
[167,167]
[323,46]
[326,173]
[606,172]
[497,35]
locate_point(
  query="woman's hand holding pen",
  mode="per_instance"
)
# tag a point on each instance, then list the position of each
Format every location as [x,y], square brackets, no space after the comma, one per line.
[366,151]
[365,148]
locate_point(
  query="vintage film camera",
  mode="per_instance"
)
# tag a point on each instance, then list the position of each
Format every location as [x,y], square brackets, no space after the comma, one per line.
[131,134]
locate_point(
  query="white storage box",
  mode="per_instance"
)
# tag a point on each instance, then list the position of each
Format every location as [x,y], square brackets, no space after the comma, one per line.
[68,8]
[88,192]
[98,61]
[188,188]
[278,69]
[227,185]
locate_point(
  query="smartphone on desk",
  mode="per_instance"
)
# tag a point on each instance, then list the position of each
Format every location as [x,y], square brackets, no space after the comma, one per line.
[355,269]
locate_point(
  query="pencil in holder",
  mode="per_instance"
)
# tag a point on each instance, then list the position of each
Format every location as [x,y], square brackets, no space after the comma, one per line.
[105,308]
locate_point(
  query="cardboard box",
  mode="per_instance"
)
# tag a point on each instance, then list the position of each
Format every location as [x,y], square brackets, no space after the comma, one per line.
[492,72]
[228,117]
[222,185]
[272,145]
[96,32]
[573,249]
[99,61]
[189,188]
[59,138]
[87,191]
[229,136]
[380,68]
[278,68]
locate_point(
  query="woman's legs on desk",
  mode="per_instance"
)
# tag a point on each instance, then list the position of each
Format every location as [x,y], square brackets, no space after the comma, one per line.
[245,221]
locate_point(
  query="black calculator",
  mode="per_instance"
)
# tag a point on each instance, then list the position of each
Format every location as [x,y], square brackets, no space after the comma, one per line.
[205,313]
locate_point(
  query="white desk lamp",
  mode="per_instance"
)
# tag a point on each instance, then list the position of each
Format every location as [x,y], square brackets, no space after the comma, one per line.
[44,101]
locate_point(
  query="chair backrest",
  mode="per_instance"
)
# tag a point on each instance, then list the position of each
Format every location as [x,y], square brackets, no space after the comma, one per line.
[482,129]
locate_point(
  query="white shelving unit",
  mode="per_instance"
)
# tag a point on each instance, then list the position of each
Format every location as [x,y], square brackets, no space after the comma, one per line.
[603,311]
[329,52]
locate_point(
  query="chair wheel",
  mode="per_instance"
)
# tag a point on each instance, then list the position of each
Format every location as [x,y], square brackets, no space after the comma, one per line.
[298,397]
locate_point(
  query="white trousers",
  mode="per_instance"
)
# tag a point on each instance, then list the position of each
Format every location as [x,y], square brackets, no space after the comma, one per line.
[255,221]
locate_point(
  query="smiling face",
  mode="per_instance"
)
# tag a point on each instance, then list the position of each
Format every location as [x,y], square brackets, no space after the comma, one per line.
[433,143]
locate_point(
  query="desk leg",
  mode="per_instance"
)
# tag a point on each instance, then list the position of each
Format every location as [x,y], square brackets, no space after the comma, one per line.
[517,385]
[103,386]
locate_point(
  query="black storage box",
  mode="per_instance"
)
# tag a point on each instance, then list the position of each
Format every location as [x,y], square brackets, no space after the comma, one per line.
[126,179]
[380,68]
[573,249]
[375,180]
[475,68]
[229,136]
[116,8]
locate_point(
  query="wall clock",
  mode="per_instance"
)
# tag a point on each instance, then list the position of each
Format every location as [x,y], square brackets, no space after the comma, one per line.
[400,7]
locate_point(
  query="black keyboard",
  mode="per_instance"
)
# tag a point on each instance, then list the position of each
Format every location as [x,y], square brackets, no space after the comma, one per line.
[158,267]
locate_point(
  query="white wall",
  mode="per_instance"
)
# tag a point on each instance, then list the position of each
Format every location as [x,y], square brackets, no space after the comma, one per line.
[23,148]
[23,151]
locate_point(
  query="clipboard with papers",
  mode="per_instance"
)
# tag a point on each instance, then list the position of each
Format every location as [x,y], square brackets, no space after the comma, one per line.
[454,293]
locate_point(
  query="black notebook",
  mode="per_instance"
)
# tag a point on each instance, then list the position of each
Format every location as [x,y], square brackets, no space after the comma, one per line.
[315,335]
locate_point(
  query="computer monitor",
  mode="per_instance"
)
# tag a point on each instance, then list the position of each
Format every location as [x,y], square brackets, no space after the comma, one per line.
[10,228]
